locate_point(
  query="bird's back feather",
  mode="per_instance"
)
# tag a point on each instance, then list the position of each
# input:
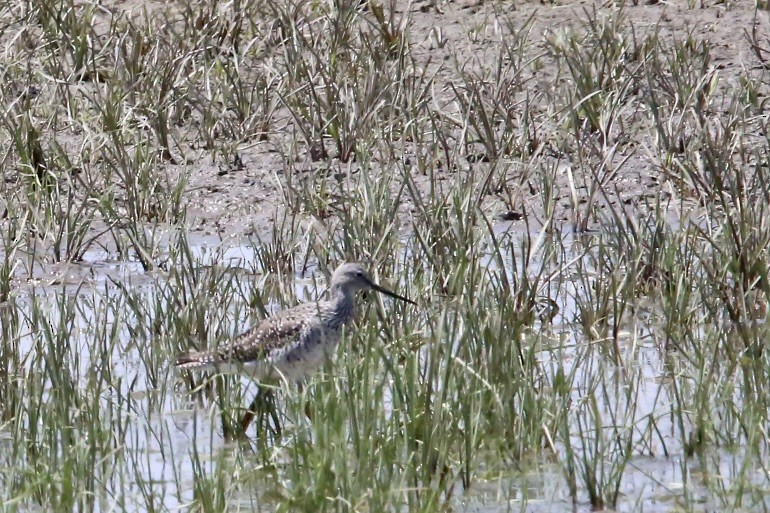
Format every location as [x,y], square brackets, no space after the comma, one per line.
[285,341]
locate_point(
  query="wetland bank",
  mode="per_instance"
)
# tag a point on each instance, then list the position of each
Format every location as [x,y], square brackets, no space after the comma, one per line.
[576,195]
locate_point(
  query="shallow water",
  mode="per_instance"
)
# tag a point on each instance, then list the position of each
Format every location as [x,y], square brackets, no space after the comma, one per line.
[166,440]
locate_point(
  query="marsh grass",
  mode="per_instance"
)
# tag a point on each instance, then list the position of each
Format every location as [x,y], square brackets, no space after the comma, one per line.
[628,328]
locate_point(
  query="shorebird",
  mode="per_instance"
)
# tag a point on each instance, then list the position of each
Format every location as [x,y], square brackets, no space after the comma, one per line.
[293,342]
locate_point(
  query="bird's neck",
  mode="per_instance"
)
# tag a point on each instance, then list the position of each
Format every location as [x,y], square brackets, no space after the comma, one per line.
[342,300]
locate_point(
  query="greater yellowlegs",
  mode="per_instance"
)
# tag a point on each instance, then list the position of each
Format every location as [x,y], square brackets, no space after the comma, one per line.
[293,342]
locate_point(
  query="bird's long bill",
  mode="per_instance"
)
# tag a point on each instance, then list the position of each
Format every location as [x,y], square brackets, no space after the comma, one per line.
[391,293]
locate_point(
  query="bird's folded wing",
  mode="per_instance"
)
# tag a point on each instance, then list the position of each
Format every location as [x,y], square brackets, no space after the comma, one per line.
[270,338]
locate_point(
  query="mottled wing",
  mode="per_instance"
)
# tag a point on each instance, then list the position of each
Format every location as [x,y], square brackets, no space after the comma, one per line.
[266,342]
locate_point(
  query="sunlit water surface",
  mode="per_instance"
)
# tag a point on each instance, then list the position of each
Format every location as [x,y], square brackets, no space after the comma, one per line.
[168,434]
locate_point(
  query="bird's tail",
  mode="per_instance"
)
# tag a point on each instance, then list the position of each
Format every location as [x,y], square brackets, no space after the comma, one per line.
[194,361]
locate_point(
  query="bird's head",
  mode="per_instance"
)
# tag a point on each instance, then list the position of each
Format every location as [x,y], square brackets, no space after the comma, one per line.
[353,276]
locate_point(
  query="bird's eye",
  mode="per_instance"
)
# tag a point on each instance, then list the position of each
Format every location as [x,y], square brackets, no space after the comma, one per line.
[359,274]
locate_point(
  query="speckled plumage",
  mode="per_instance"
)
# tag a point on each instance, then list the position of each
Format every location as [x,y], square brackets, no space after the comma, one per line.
[294,341]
